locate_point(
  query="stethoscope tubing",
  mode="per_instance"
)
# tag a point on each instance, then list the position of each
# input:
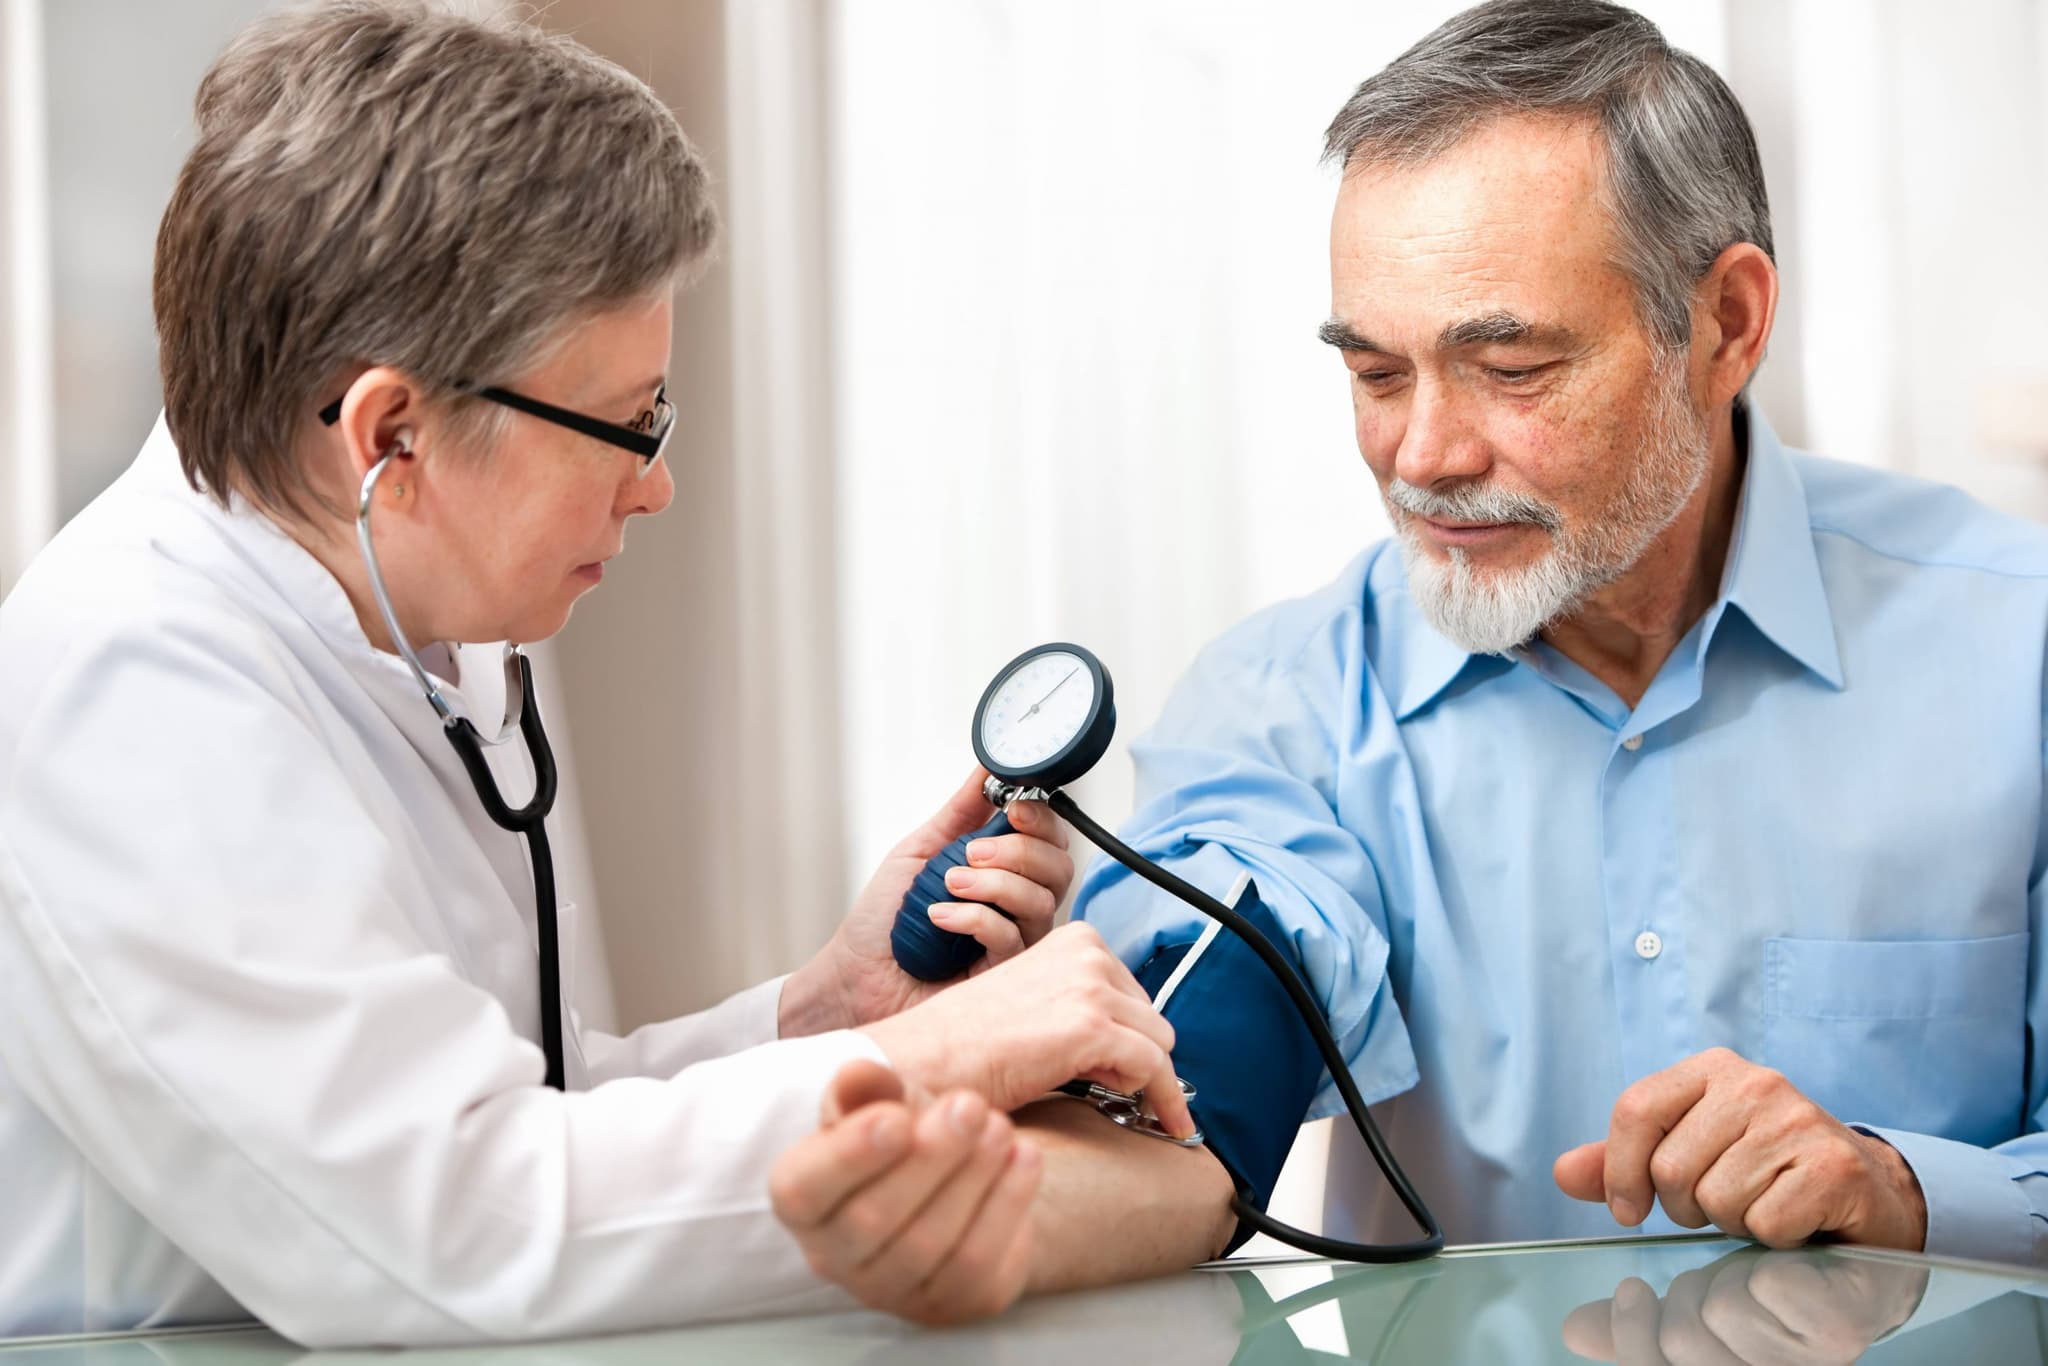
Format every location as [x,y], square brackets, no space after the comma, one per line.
[529,819]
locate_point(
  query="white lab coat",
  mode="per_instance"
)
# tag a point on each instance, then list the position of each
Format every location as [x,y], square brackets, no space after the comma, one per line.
[270,997]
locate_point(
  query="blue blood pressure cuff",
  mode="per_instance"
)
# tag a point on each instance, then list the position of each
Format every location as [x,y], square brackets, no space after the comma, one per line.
[1239,1042]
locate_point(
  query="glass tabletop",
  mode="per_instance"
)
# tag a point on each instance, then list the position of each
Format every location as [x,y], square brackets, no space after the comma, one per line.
[1648,1301]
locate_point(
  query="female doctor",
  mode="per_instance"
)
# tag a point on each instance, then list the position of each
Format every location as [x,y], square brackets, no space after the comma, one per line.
[273,998]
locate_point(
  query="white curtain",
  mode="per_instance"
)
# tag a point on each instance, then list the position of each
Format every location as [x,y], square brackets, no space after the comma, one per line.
[28,467]
[1909,151]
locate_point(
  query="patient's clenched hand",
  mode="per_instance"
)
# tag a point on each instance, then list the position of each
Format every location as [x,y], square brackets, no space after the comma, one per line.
[1718,1139]
[917,1205]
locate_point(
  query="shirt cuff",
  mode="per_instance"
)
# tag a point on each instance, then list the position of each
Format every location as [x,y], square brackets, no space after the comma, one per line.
[1975,1209]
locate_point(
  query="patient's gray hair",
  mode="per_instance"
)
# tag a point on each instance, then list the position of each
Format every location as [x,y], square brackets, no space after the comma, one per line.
[385,182]
[1682,178]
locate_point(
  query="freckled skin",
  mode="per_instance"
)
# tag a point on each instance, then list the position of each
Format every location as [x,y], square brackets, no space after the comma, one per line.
[1511,220]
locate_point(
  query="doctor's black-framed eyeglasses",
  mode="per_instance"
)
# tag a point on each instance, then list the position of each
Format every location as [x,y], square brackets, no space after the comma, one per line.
[646,435]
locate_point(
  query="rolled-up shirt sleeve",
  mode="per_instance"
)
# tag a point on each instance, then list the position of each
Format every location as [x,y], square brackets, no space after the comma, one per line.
[1233,779]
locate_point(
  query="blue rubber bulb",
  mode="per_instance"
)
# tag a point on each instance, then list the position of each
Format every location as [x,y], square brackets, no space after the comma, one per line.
[922,949]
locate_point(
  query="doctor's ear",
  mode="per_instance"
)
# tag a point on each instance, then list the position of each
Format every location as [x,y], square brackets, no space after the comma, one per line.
[378,417]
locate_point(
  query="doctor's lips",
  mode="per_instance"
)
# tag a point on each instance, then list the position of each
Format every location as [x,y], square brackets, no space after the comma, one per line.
[594,571]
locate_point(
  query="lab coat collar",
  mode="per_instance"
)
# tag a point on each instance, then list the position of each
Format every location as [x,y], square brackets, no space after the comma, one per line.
[317,597]
[1772,575]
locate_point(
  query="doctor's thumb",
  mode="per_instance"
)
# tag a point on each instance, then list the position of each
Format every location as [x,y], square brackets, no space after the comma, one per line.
[1579,1173]
[857,1084]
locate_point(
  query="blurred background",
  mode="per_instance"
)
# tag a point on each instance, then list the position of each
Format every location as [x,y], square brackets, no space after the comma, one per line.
[1012,338]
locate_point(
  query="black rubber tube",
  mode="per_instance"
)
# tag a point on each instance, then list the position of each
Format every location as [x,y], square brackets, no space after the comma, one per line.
[1318,1028]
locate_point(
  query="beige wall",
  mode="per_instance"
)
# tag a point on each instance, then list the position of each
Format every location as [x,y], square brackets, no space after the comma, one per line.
[692,687]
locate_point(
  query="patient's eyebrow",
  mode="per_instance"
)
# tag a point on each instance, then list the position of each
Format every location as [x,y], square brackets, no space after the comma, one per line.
[1495,328]
[1338,333]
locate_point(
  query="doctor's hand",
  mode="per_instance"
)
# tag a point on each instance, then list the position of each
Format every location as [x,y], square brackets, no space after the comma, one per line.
[1023,876]
[918,1206]
[1721,1140]
[1067,1009]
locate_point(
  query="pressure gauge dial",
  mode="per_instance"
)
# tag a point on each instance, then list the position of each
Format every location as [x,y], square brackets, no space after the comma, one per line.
[1047,718]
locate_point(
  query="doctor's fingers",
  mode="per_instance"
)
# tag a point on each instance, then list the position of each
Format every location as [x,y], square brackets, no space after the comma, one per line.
[989,1267]
[809,1183]
[920,1246]
[1035,862]
[1130,1059]
[987,926]
[1037,819]
[1028,903]
[945,1137]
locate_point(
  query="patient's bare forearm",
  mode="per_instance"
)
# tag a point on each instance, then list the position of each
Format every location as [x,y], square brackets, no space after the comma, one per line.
[1118,1206]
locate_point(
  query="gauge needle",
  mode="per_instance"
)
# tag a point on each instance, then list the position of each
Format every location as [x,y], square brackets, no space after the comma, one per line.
[1048,697]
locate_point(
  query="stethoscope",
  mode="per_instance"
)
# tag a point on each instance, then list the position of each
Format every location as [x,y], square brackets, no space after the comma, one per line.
[522,713]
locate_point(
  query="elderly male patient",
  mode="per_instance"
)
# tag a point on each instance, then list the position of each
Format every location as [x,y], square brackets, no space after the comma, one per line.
[1659,814]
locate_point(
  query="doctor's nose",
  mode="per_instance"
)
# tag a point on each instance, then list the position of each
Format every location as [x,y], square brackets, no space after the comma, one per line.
[1439,444]
[648,493]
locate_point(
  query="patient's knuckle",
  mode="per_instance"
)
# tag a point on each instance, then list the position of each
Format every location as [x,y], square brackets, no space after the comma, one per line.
[1667,1171]
[864,1223]
[1631,1108]
[919,1249]
[791,1196]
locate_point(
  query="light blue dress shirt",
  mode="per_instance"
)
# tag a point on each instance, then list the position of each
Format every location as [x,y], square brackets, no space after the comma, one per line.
[1818,840]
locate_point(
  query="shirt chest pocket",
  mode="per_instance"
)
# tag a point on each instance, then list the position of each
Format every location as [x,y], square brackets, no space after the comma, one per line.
[1927,1036]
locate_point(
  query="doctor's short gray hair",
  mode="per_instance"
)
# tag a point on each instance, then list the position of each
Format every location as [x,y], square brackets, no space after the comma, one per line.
[1683,180]
[385,182]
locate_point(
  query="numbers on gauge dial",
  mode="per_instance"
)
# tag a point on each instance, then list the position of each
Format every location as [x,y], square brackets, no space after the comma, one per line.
[1038,711]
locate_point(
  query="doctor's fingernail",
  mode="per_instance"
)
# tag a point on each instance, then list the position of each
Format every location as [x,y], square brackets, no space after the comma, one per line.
[978,852]
[959,877]
[1624,1212]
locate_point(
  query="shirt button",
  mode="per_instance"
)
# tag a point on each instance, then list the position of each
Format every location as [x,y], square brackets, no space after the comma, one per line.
[1649,944]
[1632,744]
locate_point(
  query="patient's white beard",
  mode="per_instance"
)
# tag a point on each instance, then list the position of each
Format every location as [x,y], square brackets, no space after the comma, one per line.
[1499,610]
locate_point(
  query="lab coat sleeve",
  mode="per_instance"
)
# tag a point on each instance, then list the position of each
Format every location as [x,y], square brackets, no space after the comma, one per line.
[212,991]
[1237,777]
[742,1020]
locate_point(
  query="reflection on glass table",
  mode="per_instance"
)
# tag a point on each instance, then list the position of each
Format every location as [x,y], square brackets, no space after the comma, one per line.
[1640,1301]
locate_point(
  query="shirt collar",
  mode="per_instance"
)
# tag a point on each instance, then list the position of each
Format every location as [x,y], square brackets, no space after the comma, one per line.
[1773,572]
[1772,575]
